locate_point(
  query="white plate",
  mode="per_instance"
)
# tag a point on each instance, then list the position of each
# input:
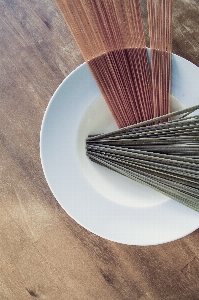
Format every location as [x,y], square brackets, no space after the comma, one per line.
[104,202]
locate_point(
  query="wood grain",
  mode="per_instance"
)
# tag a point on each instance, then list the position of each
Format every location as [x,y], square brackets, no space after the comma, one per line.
[44,254]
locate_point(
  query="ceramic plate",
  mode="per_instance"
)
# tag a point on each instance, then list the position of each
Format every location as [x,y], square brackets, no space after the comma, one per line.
[104,202]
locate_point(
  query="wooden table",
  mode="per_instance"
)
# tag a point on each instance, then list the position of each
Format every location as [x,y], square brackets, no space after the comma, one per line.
[44,254]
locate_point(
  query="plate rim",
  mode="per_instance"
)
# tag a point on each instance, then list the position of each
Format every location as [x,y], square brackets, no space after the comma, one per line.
[127,240]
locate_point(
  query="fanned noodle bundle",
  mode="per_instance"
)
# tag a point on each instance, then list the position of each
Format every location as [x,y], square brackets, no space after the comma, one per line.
[110,35]
[163,156]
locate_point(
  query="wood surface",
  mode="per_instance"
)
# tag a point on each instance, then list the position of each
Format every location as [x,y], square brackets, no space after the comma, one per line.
[44,254]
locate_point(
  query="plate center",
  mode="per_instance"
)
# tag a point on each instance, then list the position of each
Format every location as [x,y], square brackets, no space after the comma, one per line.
[115,187]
